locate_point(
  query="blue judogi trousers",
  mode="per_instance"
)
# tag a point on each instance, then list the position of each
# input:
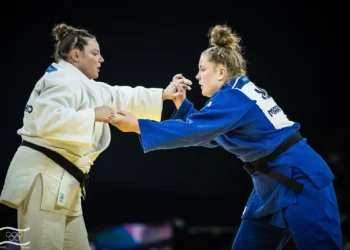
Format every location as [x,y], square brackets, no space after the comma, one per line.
[312,222]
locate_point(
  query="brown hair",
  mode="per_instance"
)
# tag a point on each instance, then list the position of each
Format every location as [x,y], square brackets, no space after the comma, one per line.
[68,38]
[224,48]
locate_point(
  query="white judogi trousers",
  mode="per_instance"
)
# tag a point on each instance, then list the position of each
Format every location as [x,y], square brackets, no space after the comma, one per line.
[49,230]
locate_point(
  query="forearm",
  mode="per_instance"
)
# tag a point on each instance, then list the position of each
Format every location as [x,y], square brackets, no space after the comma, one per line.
[145,103]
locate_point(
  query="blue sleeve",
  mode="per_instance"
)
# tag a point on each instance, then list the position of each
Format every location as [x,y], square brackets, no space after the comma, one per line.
[219,115]
[184,111]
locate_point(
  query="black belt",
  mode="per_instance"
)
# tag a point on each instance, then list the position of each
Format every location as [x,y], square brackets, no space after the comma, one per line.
[82,177]
[261,164]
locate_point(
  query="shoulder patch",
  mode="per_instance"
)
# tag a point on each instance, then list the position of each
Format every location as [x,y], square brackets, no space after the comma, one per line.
[50,69]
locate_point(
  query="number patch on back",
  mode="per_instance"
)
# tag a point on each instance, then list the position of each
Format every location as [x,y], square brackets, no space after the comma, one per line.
[267,105]
[263,92]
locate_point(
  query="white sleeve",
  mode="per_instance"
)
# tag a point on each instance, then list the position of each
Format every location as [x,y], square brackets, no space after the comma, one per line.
[57,118]
[144,103]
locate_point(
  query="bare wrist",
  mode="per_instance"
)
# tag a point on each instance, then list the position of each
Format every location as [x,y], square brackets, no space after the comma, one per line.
[163,95]
[137,130]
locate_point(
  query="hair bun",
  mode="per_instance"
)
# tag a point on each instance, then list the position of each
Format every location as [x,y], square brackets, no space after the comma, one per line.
[61,31]
[222,36]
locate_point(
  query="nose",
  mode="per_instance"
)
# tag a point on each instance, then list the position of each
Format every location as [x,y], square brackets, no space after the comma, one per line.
[197,76]
[101,59]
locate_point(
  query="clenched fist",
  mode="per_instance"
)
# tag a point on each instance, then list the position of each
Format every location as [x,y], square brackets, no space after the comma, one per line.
[104,114]
[171,91]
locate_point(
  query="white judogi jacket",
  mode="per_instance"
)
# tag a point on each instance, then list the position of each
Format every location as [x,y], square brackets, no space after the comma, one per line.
[60,116]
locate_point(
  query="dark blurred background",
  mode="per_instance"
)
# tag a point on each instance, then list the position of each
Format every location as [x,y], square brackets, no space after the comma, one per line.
[292,52]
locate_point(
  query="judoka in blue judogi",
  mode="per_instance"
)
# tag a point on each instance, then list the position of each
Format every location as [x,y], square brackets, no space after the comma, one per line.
[245,120]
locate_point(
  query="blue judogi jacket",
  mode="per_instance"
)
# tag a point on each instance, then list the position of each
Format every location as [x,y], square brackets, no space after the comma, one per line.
[244,120]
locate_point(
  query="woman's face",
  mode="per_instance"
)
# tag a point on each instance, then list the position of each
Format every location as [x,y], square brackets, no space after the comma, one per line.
[89,61]
[210,76]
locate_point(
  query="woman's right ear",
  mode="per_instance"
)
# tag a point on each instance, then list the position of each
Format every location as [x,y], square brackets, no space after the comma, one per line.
[222,73]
